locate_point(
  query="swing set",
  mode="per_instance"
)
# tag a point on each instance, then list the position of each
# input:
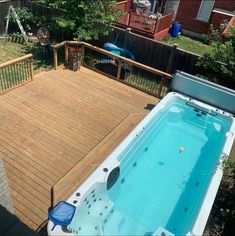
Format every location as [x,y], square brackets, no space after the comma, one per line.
[12,10]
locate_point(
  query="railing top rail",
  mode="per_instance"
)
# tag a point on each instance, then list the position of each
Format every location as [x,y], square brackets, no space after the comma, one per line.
[59,45]
[142,16]
[137,64]
[230,23]
[14,61]
[122,2]
[168,14]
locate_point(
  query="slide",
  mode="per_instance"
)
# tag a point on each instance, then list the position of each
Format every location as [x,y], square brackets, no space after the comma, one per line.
[118,51]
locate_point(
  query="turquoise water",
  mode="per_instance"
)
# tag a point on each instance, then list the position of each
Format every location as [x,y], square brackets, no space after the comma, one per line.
[165,172]
[162,185]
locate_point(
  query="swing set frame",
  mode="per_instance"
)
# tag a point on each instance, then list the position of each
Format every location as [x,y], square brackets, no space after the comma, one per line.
[12,10]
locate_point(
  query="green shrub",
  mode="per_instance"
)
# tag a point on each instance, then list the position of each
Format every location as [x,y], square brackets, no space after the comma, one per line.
[219,64]
[29,21]
[214,35]
[26,17]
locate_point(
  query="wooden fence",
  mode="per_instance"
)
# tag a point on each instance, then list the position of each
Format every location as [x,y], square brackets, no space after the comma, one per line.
[230,23]
[152,53]
[149,52]
[15,73]
[4,6]
[40,10]
[124,5]
[132,73]
[59,34]
[37,10]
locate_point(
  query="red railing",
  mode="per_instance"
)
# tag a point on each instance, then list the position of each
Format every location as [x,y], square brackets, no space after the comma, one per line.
[154,28]
[140,22]
[124,19]
[231,22]
[124,6]
[163,23]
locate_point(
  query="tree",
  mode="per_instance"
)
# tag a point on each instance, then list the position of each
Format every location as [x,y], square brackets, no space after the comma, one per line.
[219,63]
[86,18]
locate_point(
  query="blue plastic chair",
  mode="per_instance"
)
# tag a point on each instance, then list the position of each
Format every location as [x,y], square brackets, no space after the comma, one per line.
[62,214]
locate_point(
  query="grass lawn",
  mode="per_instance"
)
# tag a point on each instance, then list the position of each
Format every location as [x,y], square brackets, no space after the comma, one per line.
[189,44]
[13,50]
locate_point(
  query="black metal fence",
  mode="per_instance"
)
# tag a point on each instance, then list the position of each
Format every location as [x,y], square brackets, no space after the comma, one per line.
[134,74]
[137,75]
[152,53]
[124,72]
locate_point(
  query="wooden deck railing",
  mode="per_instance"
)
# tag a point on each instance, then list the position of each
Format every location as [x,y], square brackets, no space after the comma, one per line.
[141,22]
[153,28]
[15,73]
[120,68]
[230,23]
[163,23]
[124,5]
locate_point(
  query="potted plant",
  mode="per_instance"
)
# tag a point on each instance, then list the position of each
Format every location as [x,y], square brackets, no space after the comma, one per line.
[75,59]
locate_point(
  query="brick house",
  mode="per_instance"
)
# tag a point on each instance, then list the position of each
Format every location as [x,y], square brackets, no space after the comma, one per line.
[196,16]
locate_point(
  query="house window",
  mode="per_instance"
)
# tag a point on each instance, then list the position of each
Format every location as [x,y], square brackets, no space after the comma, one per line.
[205,10]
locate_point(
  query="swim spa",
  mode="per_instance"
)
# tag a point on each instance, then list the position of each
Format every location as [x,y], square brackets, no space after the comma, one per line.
[162,179]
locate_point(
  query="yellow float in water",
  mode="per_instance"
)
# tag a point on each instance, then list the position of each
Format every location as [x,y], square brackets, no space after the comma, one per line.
[181,149]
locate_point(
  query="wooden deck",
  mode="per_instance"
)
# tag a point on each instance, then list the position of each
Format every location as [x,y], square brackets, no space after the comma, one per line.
[50,124]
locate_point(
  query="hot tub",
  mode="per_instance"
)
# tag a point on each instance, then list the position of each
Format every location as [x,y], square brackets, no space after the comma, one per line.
[162,179]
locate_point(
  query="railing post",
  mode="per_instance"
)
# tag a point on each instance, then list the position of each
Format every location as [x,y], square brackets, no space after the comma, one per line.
[169,68]
[156,26]
[83,54]
[126,37]
[66,53]
[31,68]
[172,58]
[119,70]
[161,87]
[55,55]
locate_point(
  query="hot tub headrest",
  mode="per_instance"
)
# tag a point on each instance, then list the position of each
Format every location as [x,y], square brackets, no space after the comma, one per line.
[205,91]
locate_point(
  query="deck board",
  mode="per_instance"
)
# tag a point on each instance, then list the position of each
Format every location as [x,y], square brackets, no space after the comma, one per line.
[51,124]
[71,181]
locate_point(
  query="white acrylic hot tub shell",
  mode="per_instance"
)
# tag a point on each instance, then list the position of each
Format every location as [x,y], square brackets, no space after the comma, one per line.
[111,162]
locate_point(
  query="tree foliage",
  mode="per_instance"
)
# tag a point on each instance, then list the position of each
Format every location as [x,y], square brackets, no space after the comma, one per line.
[28,20]
[219,63]
[86,18]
